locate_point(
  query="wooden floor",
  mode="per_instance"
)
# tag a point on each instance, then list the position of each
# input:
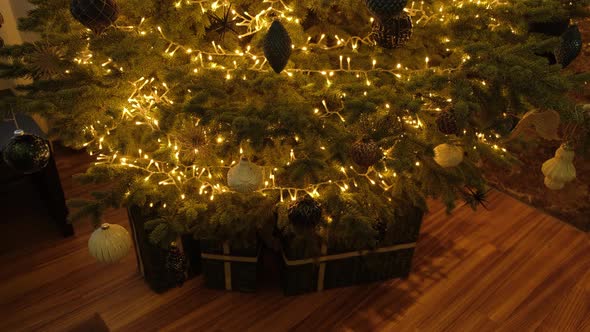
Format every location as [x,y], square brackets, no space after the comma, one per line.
[507,269]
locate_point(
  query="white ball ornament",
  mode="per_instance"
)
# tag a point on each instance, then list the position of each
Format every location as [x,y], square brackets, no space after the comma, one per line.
[448,155]
[109,243]
[560,169]
[245,177]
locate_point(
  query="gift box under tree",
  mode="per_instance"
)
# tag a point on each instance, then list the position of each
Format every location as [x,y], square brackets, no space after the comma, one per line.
[230,268]
[155,259]
[229,229]
[322,254]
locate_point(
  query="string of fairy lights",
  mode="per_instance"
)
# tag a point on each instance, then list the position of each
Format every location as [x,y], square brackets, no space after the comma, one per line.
[149,93]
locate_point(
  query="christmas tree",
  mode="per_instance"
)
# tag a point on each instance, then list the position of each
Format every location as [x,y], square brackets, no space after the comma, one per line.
[346,112]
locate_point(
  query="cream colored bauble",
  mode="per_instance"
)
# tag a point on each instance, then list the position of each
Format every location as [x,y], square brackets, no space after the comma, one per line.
[448,155]
[245,177]
[560,169]
[553,184]
[109,243]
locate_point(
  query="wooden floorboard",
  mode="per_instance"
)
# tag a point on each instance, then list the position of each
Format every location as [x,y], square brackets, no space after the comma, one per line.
[511,268]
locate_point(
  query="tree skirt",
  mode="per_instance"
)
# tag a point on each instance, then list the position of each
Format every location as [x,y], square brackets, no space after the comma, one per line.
[525,182]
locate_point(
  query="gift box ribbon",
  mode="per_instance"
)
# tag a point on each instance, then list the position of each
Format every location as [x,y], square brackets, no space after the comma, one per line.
[227,260]
[321,260]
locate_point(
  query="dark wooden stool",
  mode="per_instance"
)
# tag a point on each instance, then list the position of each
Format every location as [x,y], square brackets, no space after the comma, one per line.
[46,181]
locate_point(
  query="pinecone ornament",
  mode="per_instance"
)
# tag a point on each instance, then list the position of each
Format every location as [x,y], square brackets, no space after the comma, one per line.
[392,32]
[569,47]
[381,125]
[381,227]
[277,46]
[176,264]
[383,9]
[305,212]
[365,153]
[390,125]
[26,153]
[447,123]
[96,15]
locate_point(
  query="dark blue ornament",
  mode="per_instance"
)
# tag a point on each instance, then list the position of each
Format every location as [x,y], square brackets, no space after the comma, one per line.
[96,15]
[551,28]
[570,46]
[26,153]
[383,9]
[393,32]
[277,46]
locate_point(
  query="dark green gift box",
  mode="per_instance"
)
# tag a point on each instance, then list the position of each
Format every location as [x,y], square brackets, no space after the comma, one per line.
[341,268]
[230,268]
[151,259]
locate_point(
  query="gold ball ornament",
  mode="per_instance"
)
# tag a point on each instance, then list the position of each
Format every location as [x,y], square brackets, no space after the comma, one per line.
[560,169]
[109,243]
[448,155]
[245,177]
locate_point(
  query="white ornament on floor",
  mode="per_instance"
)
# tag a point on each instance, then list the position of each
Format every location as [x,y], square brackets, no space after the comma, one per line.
[245,177]
[559,170]
[109,243]
[448,155]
